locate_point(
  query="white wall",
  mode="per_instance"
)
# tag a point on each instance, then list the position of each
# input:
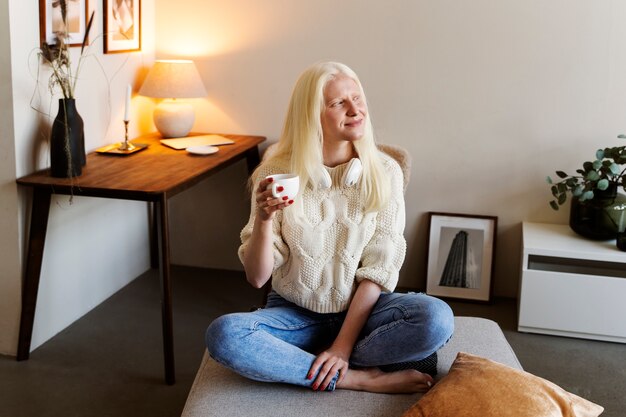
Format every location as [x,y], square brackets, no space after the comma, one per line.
[9,242]
[489,97]
[93,247]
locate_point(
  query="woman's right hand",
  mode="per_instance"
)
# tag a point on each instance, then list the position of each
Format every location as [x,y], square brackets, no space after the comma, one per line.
[258,260]
[266,203]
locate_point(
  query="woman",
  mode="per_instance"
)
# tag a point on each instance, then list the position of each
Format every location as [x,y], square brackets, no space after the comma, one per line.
[333,252]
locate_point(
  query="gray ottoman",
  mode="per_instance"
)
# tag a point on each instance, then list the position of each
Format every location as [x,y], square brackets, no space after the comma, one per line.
[218,391]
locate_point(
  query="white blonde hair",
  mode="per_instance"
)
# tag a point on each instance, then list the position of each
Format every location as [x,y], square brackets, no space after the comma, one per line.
[301,140]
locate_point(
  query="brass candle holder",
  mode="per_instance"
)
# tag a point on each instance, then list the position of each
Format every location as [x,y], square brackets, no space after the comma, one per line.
[126,146]
[123,148]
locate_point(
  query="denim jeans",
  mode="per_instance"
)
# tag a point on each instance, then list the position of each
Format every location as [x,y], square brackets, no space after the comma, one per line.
[280,342]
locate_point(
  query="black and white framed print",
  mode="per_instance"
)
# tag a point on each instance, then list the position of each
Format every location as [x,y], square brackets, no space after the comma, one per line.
[461,251]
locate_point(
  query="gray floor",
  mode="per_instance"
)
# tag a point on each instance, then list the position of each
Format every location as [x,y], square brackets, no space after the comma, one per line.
[109,363]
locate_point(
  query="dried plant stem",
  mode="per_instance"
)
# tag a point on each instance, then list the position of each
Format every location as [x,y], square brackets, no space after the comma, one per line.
[66,142]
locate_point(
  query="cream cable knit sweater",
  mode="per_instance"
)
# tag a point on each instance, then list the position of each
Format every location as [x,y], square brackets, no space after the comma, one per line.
[319,261]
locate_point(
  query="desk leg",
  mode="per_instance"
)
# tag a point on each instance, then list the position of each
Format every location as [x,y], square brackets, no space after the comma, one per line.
[154,235]
[253,159]
[36,240]
[166,289]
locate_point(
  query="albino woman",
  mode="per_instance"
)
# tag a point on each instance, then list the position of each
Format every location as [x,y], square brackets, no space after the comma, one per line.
[333,253]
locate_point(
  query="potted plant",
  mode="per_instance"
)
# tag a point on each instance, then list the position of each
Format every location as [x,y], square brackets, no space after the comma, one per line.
[597,209]
[67,143]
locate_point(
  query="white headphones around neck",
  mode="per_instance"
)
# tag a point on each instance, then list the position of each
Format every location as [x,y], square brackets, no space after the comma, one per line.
[350,176]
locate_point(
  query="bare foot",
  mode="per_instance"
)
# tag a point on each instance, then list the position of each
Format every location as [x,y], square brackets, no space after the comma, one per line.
[375,380]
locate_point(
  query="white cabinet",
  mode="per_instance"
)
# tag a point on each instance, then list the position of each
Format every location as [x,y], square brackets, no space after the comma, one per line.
[571,286]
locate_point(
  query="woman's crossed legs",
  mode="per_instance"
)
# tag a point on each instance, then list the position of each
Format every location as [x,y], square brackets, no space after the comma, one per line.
[279,343]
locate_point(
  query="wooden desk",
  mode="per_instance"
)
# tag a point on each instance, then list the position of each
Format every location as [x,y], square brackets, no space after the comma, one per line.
[153,175]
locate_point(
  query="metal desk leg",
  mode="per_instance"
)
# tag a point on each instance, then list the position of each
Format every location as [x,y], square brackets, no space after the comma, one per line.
[166,289]
[38,225]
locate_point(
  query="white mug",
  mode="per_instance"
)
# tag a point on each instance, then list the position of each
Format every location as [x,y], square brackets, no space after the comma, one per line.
[289,182]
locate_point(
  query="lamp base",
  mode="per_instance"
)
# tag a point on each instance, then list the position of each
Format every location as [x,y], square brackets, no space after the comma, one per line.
[174,119]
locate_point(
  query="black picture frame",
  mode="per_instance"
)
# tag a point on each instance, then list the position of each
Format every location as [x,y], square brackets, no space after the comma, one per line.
[461,255]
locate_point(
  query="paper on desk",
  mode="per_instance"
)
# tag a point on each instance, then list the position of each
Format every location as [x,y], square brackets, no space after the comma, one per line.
[200,140]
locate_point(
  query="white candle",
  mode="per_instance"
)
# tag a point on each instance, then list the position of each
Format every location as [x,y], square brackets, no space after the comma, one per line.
[127,107]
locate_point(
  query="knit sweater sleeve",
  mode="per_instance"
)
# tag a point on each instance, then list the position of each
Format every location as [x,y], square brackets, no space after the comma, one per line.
[281,250]
[384,254]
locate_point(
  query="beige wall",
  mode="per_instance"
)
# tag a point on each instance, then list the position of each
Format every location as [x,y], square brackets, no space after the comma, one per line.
[489,98]
[85,260]
[9,243]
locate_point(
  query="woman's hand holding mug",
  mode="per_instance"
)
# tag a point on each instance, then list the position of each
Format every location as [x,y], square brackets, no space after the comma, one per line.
[276,192]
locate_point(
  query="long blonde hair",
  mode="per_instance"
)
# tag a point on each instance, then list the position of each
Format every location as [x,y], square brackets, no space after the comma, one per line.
[301,140]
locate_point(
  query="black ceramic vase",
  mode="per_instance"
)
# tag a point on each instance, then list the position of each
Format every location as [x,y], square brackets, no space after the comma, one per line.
[600,217]
[67,141]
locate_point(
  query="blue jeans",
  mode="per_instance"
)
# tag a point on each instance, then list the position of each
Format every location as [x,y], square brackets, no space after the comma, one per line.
[280,342]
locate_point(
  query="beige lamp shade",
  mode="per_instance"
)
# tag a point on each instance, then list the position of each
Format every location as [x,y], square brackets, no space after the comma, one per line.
[171,80]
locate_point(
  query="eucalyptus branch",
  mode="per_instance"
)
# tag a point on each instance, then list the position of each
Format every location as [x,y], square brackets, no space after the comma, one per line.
[605,172]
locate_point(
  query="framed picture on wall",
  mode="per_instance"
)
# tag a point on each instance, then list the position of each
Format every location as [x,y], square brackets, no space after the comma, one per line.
[122,26]
[51,20]
[461,251]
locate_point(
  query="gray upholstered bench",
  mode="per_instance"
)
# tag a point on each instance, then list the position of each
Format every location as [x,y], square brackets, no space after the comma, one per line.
[218,391]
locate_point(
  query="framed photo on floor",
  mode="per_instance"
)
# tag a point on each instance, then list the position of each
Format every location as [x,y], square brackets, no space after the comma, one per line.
[461,250]
[51,20]
[122,26]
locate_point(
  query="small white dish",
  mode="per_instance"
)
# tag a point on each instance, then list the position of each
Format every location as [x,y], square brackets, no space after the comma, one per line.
[202,150]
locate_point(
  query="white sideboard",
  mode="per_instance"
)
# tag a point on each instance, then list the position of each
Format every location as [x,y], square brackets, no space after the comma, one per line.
[571,286]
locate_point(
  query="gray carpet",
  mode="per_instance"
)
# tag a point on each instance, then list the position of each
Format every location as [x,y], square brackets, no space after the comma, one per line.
[110,363]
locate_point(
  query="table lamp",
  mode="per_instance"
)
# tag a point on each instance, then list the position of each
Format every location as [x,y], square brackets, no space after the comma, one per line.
[172,80]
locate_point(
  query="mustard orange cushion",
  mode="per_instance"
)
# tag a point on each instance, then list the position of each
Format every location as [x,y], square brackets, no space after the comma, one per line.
[479,387]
